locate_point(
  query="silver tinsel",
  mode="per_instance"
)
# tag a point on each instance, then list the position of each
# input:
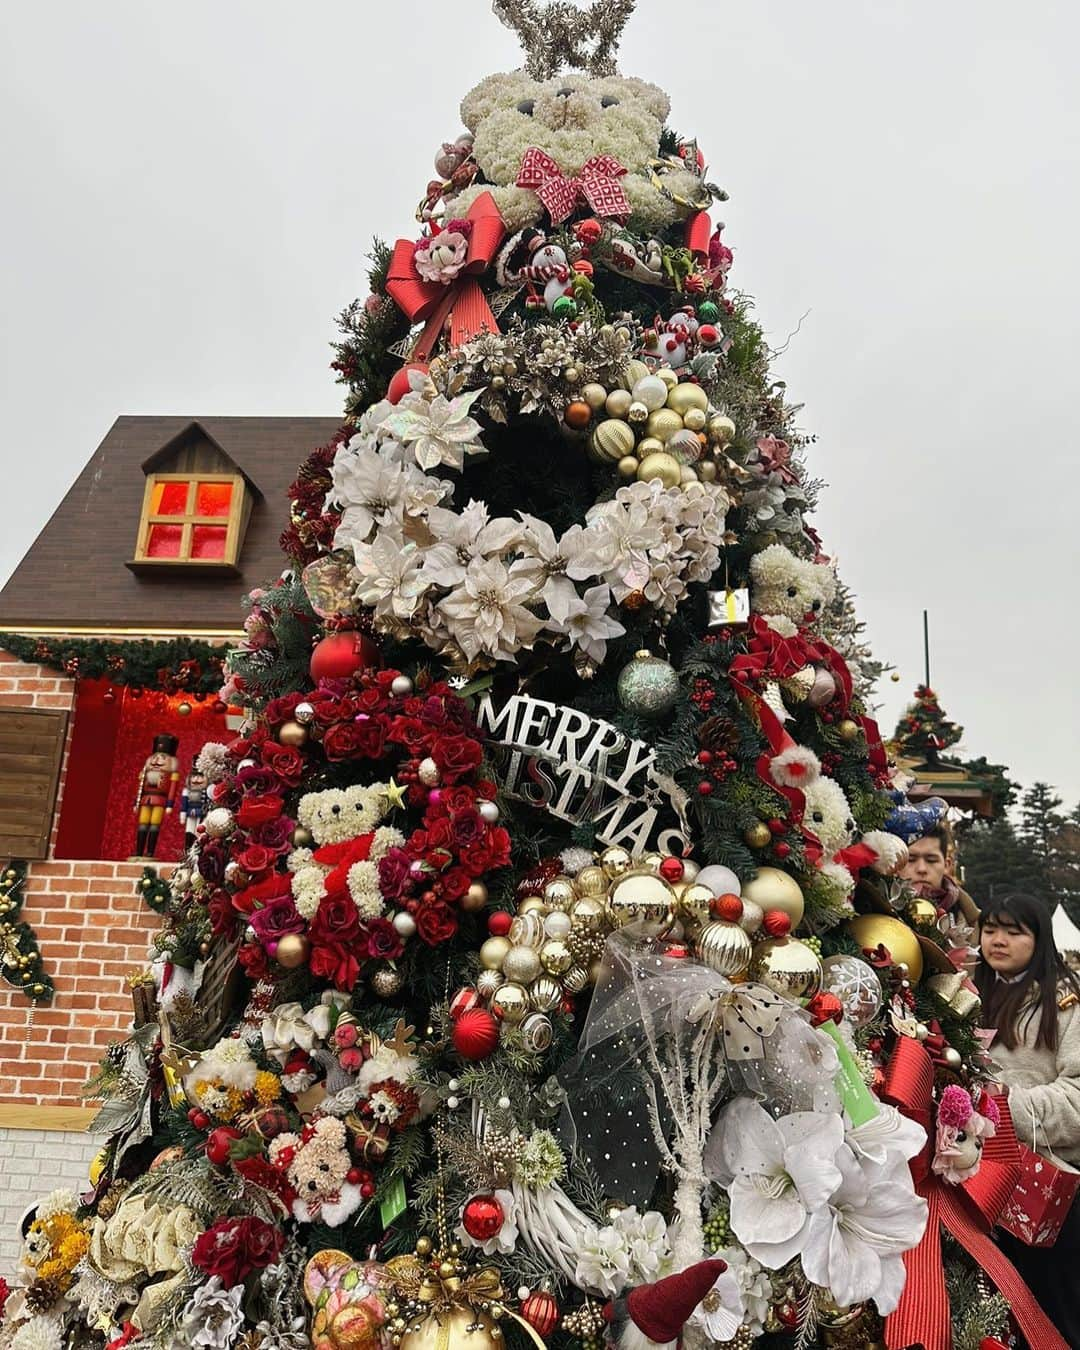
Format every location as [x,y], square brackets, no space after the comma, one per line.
[557,34]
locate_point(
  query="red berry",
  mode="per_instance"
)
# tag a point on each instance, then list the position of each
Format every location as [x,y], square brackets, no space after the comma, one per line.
[499,923]
[704,756]
[781,849]
[728,907]
[704,788]
[354,1176]
[199,1119]
[776,825]
[367,1190]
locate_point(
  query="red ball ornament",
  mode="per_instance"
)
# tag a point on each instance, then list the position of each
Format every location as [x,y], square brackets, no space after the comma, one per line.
[781,849]
[482,1217]
[340,655]
[672,869]
[776,826]
[219,1142]
[475,1034]
[708,335]
[399,383]
[534,881]
[541,1312]
[463,1001]
[499,923]
[776,923]
[727,907]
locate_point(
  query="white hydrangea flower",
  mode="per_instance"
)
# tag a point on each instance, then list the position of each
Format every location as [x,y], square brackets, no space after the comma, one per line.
[308,888]
[386,837]
[363,883]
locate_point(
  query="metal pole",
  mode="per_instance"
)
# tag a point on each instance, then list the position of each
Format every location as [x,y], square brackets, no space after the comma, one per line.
[926,644]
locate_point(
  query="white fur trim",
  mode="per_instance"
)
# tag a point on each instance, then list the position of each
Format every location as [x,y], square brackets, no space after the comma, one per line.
[796,766]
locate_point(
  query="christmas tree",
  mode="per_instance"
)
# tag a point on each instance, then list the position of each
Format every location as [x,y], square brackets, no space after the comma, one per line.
[923,730]
[543,941]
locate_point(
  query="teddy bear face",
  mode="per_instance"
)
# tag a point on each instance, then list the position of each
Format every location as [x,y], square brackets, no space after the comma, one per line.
[320,1162]
[828,815]
[790,587]
[571,118]
[338,814]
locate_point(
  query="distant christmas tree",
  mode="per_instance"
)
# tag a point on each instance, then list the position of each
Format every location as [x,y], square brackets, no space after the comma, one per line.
[924,731]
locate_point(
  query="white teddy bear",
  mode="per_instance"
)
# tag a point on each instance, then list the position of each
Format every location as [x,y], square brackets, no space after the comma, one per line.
[571,118]
[337,814]
[317,1165]
[827,815]
[788,591]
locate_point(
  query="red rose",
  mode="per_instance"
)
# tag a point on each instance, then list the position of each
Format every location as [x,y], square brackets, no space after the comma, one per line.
[384,942]
[261,893]
[456,756]
[334,962]
[285,761]
[476,858]
[254,859]
[409,732]
[499,847]
[468,827]
[458,798]
[257,810]
[232,1248]
[252,956]
[336,919]
[435,924]
[281,710]
[222,915]
[371,701]
[486,789]
[371,738]
[341,741]
[275,835]
[395,874]
[454,882]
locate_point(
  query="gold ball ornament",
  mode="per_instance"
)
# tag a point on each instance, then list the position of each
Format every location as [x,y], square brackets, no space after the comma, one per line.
[521,965]
[461,1326]
[786,966]
[595,395]
[686,396]
[648,445]
[292,733]
[545,993]
[527,930]
[615,861]
[721,429]
[387,982]
[922,911]
[758,835]
[576,979]
[493,953]
[627,467]
[613,439]
[533,903]
[617,403]
[663,424]
[633,371]
[292,950]
[589,914]
[662,466]
[694,901]
[637,413]
[848,730]
[475,898]
[184,709]
[641,895]
[874,930]
[555,957]
[559,893]
[652,391]
[669,377]
[694,419]
[591,881]
[706,471]
[771,888]
[510,1002]
[725,947]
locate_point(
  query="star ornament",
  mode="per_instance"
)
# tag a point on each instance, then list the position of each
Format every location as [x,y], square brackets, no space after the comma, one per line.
[395,795]
[556,34]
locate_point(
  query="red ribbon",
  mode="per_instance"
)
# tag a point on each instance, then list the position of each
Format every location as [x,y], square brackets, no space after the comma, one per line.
[597,182]
[698,230]
[968,1212]
[462,300]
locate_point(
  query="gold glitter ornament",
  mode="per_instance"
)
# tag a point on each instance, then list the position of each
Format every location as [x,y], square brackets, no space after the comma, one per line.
[493,953]
[848,730]
[641,895]
[615,861]
[922,911]
[510,1003]
[786,966]
[545,993]
[475,898]
[663,467]
[758,835]
[386,982]
[721,430]
[521,965]
[725,947]
[591,881]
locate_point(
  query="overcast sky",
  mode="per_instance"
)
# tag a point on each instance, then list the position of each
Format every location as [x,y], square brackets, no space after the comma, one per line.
[188,192]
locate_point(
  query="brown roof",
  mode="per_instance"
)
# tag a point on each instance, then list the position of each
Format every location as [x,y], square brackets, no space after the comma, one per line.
[75,574]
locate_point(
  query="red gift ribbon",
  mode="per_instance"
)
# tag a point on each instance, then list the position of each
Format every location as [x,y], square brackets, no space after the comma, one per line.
[462,300]
[597,182]
[967,1211]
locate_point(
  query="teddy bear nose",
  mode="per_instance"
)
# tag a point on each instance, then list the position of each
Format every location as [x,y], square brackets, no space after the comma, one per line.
[565,91]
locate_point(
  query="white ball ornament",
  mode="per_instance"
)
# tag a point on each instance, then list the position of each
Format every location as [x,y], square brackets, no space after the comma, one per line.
[651,391]
[489,812]
[401,686]
[752,916]
[557,924]
[720,880]
[428,772]
[404,924]
[218,822]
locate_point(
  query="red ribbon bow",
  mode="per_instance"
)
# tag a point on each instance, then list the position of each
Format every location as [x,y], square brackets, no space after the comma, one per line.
[967,1211]
[597,182]
[462,300]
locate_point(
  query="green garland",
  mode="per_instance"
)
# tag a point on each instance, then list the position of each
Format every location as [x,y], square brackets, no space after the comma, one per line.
[179,665]
[20,955]
[153,890]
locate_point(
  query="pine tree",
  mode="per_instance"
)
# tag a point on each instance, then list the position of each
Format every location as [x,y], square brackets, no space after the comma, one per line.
[1039,818]
[547,752]
[996,860]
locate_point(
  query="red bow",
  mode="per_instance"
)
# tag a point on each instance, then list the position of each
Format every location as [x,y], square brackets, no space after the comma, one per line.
[597,182]
[462,300]
[968,1212]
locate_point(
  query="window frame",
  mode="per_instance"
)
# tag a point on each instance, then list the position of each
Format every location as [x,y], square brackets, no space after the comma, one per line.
[191,518]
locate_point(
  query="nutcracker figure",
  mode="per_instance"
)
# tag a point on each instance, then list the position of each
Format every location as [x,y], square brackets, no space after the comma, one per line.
[194,803]
[156,796]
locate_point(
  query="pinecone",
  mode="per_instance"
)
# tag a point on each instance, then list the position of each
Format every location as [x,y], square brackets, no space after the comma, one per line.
[106,1206]
[42,1294]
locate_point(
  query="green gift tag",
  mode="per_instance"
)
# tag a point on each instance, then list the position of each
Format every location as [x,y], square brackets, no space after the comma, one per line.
[859,1102]
[393,1203]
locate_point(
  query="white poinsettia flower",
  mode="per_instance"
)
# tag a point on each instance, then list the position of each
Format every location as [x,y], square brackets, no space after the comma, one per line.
[782,1172]
[461,536]
[589,622]
[439,431]
[368,489]
[886,1137]
[855,1242]
[633,536]
[505,1240]
[546,560]
[388,575]
[487,613]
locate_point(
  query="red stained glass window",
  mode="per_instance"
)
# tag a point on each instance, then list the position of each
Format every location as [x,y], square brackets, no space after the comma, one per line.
[213,499]
[164,541]
[208,541]
[169,499]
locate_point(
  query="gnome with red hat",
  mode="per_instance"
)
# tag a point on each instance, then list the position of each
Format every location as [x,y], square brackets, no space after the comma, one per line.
[653,1315]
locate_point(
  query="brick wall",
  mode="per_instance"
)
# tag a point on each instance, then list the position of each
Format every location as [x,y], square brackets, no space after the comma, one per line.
[93,930]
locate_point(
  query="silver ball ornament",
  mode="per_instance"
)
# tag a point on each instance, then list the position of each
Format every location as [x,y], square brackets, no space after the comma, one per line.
[648,686]
[401,686]
[489,812]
